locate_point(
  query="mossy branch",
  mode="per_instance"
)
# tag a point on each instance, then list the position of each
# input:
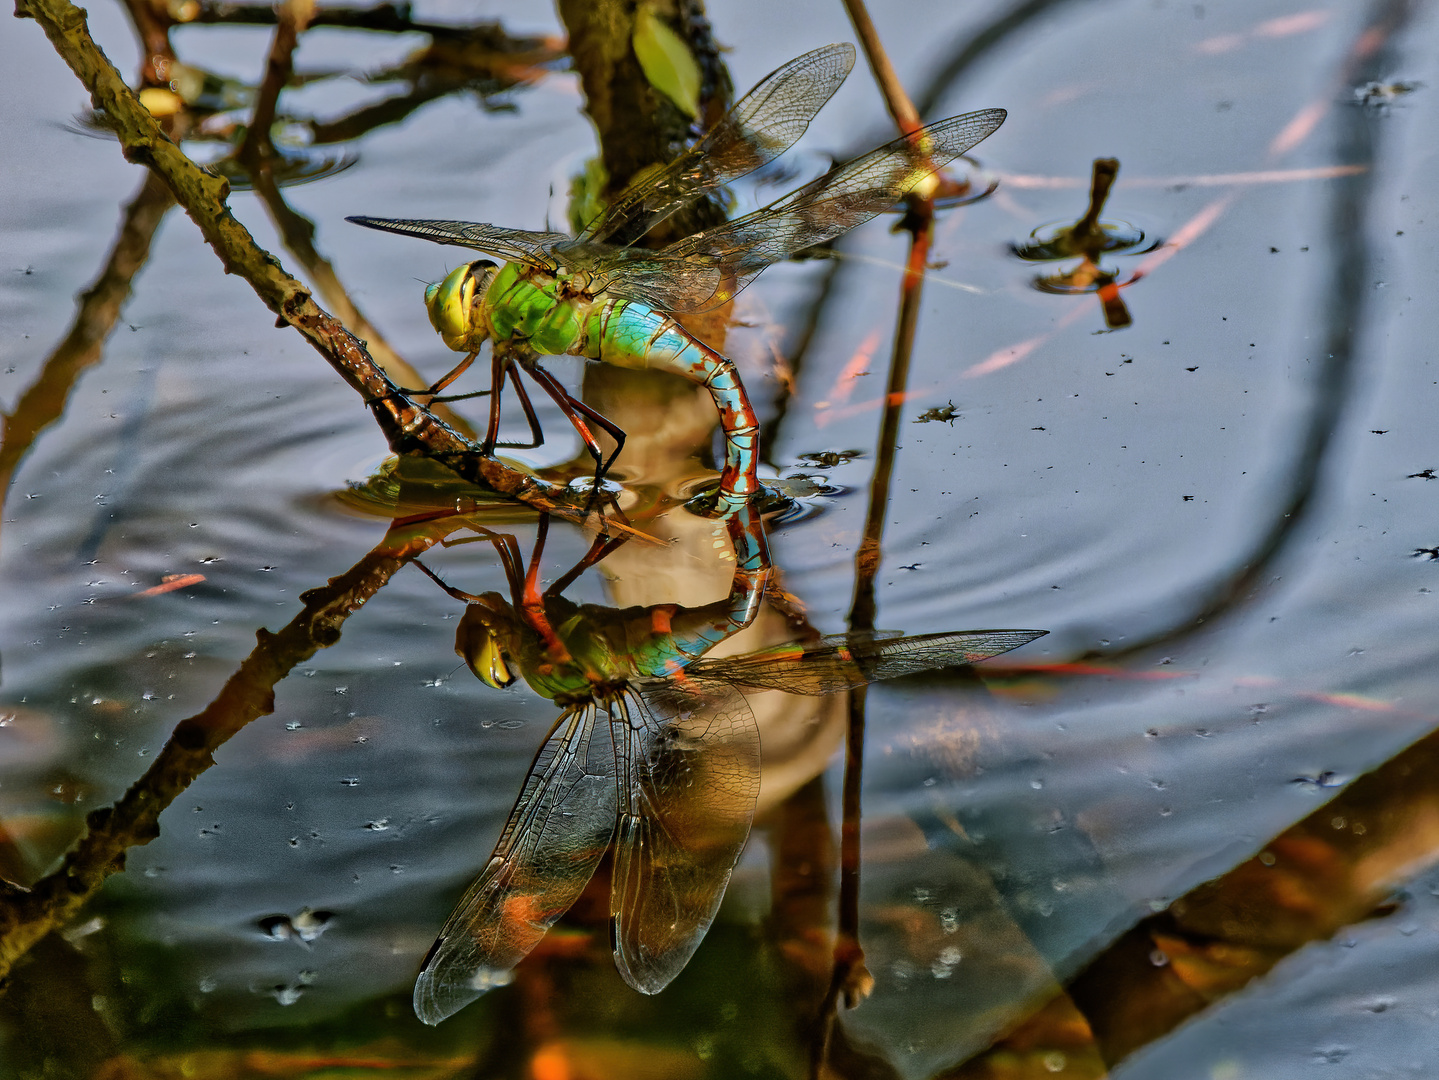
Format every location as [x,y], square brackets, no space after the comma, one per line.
[407,427]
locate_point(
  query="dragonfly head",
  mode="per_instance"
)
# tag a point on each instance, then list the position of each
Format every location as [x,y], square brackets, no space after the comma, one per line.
[480,641]
[456,305]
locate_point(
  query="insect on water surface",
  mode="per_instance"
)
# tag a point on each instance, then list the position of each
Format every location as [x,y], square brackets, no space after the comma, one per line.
[595,297]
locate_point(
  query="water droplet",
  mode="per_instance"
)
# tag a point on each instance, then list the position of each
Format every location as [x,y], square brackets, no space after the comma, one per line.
[1159,958]
[1054,1061]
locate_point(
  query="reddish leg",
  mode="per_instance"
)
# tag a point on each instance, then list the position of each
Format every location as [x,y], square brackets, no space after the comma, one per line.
[577,412]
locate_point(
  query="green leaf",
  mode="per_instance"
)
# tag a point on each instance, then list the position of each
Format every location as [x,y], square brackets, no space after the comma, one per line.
[667,62]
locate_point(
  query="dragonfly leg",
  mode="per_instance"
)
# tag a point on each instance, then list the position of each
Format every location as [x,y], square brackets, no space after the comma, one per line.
[499,365]
[598,552]
[537,434]
[455,372]
[531,604]
[458,594]
[577,412]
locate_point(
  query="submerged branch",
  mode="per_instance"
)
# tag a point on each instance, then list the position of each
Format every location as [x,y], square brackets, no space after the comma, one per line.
[43,403]
[27,916]
[1338,866]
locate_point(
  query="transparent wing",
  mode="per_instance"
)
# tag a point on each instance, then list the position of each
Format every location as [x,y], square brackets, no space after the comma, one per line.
[690,777]
[556,834]
[762,126]
[839,662]
[705,270]
[516,245]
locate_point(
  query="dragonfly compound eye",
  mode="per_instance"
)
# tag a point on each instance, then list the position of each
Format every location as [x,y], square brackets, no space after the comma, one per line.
[479,646]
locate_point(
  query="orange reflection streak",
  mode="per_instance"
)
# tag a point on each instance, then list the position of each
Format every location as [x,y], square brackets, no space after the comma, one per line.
[857,365]
[169,583]
[1298,129]
[1284,26]
[1189,232]
[1031,182]
[1106,670]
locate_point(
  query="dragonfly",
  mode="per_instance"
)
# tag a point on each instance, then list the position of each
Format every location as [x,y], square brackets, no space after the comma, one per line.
[600,297]
[655,754]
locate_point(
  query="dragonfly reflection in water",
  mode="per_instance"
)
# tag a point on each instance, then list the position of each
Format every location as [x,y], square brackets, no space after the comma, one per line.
[598,297]
[655,751]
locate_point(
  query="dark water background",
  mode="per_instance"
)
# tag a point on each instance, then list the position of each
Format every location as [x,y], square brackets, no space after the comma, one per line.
[1218,510]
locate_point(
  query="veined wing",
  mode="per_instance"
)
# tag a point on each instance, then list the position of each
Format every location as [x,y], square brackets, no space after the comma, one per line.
[688,783]
[762,126]
[843,661]
[515,245]
[556,834]
[705,270]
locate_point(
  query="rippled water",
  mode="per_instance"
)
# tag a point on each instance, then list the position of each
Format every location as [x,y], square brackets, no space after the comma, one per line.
[1221,515]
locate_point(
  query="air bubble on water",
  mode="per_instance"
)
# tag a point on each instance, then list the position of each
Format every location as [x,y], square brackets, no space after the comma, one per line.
[287,995]
[1158,784]
[511,725]
[379,825]
[921,895]
[1054,1061]
[293,725]
[1380,1004]
[1036,783]
[902,970]
[948,921]
[1159,958]
[209,984]
[294,841]
[396,868]
[350,781]
[148,695]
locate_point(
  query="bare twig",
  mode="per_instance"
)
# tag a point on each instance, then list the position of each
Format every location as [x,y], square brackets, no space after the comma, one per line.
[408,428]
[851,980]
[895,98]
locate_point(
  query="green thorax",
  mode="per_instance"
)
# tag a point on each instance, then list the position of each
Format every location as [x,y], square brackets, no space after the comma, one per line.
[528,305]
[607,647]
